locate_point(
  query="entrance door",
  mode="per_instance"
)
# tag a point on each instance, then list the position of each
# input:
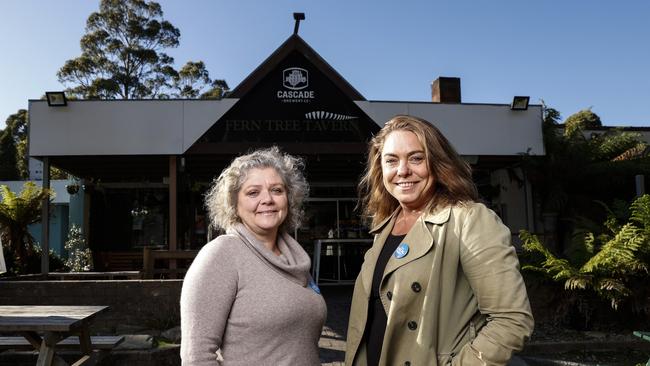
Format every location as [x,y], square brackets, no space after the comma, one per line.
[335,223]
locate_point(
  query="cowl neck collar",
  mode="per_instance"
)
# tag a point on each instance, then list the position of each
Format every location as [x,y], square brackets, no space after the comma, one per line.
[294,262]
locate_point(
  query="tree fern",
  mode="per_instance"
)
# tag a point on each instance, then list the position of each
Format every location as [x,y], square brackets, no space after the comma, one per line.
[616,260]
[17,211]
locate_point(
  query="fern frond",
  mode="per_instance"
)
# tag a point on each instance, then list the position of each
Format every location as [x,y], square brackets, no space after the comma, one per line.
[638,151]
[556,268]
[619,252]
[580,282]
[640,212]
[612,285]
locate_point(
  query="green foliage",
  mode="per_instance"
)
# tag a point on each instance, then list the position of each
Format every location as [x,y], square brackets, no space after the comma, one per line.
[583,120]
[578,169]
[123,55]
[17,212]
[613,263]
[218,89]
[32,263]
[13,147]
[8,153]
[613,143]
[193,81]
[123,52]
[14,159]
[79,255]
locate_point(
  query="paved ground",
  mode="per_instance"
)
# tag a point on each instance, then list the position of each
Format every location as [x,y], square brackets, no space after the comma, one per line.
[574,350]
[568,351]
[332,340]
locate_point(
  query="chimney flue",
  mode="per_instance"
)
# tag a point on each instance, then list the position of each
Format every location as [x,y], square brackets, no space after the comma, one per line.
[297,17]
[445,90]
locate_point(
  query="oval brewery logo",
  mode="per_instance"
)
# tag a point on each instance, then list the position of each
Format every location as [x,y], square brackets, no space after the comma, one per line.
[295,78]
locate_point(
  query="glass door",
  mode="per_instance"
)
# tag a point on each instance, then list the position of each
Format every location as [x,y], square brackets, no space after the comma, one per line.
[335,224]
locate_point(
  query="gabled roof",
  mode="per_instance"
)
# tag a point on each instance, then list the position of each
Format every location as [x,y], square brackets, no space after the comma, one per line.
[295,43]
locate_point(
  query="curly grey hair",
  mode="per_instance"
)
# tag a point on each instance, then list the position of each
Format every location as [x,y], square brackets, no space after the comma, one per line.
[221,197]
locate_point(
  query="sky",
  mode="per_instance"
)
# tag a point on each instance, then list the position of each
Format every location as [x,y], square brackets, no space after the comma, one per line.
[572,54]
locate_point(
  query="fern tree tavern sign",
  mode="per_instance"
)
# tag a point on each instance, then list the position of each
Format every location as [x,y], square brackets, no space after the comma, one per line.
[294,102]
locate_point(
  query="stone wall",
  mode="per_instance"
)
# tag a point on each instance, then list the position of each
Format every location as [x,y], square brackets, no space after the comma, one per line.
[144,303]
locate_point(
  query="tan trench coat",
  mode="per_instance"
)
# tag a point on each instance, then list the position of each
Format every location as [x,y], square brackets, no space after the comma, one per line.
[456,298]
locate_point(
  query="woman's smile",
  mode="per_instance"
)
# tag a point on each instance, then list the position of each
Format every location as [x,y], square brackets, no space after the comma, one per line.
[262,202]
[405,170]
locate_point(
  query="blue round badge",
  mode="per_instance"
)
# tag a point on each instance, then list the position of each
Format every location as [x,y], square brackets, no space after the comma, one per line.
[401,251]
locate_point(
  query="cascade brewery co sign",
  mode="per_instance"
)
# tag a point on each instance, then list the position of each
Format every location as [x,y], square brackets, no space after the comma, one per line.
[296,80]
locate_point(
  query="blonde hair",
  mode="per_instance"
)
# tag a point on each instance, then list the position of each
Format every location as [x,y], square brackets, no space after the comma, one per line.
[453,176]
[221,198]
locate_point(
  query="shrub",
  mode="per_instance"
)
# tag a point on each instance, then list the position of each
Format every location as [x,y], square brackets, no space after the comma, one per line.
[611,264]
[32,262]
[79,255]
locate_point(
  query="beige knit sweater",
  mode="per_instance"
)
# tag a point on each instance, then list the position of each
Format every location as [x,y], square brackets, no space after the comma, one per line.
[256,307]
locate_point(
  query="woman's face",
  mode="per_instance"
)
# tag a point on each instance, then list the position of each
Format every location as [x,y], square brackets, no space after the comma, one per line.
[405,170]
[262,202]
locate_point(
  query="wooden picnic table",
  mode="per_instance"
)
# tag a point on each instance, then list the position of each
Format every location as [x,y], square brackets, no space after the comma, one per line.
[43,326]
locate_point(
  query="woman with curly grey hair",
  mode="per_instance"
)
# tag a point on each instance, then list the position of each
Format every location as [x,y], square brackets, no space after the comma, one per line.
[248,298]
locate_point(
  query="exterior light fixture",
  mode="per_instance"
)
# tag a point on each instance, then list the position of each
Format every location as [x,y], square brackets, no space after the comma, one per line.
[56,99]
[519,103]
[297,17]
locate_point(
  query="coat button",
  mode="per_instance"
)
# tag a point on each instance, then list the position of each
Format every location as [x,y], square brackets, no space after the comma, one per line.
[416,287]
[389,295]
[412,325]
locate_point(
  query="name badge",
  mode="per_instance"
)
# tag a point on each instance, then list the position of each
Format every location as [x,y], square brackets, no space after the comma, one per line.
[401,251]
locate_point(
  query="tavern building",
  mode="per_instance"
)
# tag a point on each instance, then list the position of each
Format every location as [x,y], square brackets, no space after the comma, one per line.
[144,165]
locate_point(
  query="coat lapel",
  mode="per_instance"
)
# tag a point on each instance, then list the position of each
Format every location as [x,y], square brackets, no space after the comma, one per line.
[419,239]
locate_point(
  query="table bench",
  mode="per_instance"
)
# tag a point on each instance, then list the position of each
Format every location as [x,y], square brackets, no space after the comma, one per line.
[44,326]
[150,257]
[96,342]
[119,261]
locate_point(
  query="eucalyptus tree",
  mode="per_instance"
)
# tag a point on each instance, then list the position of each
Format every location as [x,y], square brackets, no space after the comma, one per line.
[13,147]
[8,169]
[123,55]
[193,81]
[14,157]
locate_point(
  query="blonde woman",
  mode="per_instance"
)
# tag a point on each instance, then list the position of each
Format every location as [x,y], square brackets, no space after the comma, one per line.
[249,294]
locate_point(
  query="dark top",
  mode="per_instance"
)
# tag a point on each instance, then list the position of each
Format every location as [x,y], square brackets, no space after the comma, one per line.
[376,324]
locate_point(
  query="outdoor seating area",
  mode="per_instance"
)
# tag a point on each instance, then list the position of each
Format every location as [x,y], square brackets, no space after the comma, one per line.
[48,329]
[97,321]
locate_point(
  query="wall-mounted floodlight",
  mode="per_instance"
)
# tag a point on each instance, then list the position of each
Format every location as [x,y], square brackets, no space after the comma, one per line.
[297,17]
[519,103]
[56,99]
